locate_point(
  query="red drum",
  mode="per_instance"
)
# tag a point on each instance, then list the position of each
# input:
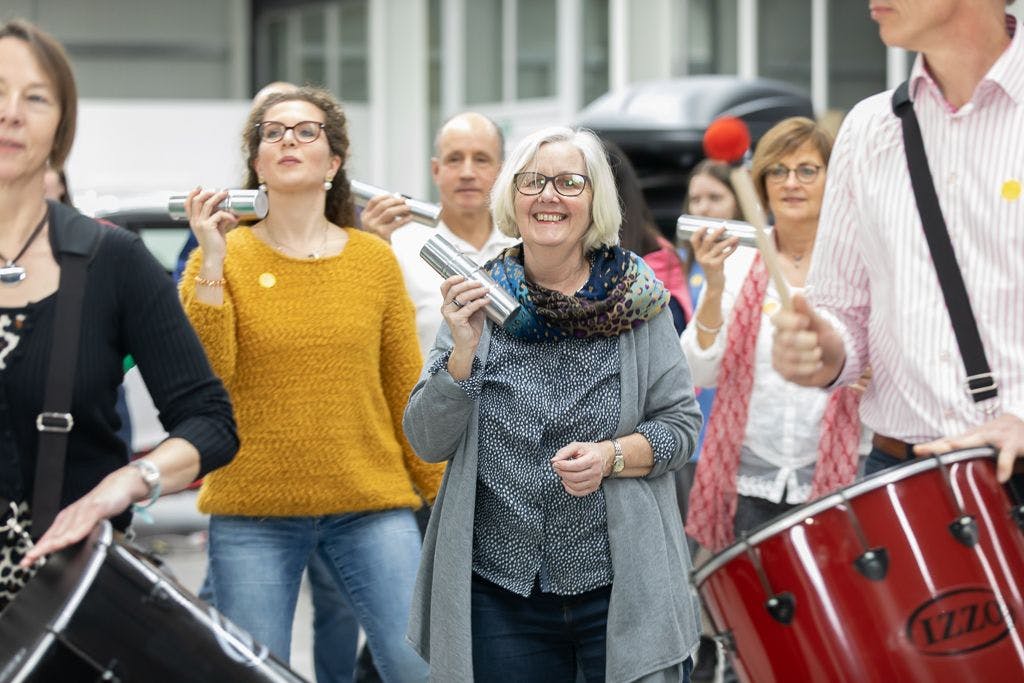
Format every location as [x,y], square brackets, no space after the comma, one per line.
[100,611]
[914,574]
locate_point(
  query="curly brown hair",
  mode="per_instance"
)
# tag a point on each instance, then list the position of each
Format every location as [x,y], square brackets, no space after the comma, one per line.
[339,209]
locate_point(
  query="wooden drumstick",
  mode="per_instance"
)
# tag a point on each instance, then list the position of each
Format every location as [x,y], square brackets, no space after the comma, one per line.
[743,185]
[727,139]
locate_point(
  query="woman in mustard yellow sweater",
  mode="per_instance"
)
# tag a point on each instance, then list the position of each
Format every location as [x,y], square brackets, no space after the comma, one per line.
[309,325]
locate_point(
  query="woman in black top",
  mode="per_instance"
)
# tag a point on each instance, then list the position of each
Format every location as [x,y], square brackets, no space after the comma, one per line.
[130,307]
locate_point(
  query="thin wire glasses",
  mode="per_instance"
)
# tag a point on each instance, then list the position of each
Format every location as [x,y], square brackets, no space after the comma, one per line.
[566,184]
[303,131]
[805,173]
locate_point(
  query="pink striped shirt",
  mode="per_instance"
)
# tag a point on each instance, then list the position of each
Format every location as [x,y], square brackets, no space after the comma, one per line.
[872,274]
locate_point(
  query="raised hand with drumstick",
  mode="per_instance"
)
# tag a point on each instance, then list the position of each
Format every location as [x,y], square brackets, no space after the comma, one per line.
[769,445]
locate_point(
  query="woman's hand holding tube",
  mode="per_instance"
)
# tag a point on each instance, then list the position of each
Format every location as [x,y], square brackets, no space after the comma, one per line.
[210,225]
[711,252]
[463,311]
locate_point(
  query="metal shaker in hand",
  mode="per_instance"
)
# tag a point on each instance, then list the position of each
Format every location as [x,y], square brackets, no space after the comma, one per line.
[447,260]
[248,205]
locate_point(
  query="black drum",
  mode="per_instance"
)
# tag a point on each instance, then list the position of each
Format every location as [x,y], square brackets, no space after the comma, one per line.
[101,611]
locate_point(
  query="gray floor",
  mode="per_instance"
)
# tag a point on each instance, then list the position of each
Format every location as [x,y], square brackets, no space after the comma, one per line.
[178,536]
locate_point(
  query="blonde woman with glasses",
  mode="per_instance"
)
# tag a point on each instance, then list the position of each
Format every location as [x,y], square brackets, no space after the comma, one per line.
[770,445]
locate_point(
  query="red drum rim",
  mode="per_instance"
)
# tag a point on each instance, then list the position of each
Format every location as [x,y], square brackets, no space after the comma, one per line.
[819,505]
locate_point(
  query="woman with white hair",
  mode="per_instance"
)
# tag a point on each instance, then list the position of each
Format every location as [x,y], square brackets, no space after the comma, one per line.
[555,546]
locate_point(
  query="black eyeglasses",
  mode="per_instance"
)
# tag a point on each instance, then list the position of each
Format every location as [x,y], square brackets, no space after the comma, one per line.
[303,131]
[565,184]
[805,173]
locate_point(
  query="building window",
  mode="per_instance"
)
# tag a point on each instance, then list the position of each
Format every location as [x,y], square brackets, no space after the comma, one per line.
[783,38]
[711,37]
[483,51]
[536,40]
[595,50]
[856,56]
[321,44]
[511,49]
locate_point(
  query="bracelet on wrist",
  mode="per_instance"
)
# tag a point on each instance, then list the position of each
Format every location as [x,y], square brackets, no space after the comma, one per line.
[151,476]
[705,328]
[206,282]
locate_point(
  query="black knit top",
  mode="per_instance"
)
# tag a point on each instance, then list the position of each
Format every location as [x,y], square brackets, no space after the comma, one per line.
[130,308]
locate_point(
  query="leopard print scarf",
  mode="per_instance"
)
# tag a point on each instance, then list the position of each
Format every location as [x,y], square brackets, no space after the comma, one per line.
[14,543]
[622,293]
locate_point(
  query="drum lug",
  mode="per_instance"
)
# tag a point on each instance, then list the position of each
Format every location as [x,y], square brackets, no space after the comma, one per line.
[1017,512]
[965,530]
[782,607]
[873,563]
[726,639]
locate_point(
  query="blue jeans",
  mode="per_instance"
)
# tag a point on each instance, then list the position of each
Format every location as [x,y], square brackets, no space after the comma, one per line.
[878,461]
[335,629]
[544,637]
[256,566]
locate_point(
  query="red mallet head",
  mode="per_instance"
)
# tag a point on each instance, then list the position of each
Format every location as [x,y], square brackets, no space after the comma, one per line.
[726,139]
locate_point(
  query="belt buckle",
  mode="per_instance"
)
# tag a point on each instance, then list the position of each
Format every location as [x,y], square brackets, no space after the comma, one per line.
[59,423]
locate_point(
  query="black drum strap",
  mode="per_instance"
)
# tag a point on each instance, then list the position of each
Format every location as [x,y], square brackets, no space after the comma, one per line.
[981,384]
[55,422]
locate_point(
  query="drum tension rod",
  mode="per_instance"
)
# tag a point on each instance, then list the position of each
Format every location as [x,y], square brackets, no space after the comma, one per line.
[1017,511]
[963,528]
[781,606]
[872,563]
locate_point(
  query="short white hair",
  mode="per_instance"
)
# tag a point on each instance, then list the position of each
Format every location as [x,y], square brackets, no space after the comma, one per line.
[605,211]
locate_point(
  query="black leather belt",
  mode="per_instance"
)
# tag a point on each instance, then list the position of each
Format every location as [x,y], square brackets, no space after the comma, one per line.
[901,450]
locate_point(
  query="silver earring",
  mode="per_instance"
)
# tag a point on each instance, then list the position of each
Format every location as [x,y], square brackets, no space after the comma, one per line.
[262,187]
[328,185]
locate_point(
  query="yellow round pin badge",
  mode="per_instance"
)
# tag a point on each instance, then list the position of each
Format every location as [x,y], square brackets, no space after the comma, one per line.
[267,280]
[1011,190]
[696,280]
[770,306]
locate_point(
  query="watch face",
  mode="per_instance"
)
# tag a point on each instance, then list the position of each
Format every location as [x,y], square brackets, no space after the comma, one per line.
[619,463]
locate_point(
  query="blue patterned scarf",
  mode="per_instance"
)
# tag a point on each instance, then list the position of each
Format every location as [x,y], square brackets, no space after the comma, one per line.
[622,293]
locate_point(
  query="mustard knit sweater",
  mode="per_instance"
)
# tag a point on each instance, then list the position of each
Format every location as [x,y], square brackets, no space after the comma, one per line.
[319,358]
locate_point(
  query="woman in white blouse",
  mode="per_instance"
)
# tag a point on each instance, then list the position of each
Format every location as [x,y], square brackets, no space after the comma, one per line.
[770,445]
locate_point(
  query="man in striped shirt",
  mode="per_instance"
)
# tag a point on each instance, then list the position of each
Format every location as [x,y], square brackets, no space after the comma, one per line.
[873,297]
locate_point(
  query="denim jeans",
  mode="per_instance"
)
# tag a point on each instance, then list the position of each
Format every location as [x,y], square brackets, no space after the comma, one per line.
[878,461]
[256,566]
[544,637]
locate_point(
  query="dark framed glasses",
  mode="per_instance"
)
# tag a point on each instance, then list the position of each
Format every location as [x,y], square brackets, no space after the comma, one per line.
[805,173]
[303,131]
[566,184]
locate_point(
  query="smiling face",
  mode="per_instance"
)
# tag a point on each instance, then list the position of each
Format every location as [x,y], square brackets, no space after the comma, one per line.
[291,165]
[792,201]
[548,219]
[29,113]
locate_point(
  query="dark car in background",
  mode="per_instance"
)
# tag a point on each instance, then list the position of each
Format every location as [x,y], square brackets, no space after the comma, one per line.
[660,126]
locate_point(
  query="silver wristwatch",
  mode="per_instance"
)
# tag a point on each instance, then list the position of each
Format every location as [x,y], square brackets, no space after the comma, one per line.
[619,462]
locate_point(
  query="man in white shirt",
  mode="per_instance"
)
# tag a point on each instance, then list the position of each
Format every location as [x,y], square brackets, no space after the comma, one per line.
[875,294]
[468,152]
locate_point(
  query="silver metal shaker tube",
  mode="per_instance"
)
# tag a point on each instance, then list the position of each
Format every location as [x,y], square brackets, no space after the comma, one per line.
[248,205]
[424,213]
[447,260]
[686,225]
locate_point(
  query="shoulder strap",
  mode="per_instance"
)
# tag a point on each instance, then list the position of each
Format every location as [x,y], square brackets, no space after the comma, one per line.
[981,384]
[77,238]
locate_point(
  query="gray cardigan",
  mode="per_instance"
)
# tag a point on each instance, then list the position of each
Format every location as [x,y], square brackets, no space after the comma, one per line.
[653,614]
